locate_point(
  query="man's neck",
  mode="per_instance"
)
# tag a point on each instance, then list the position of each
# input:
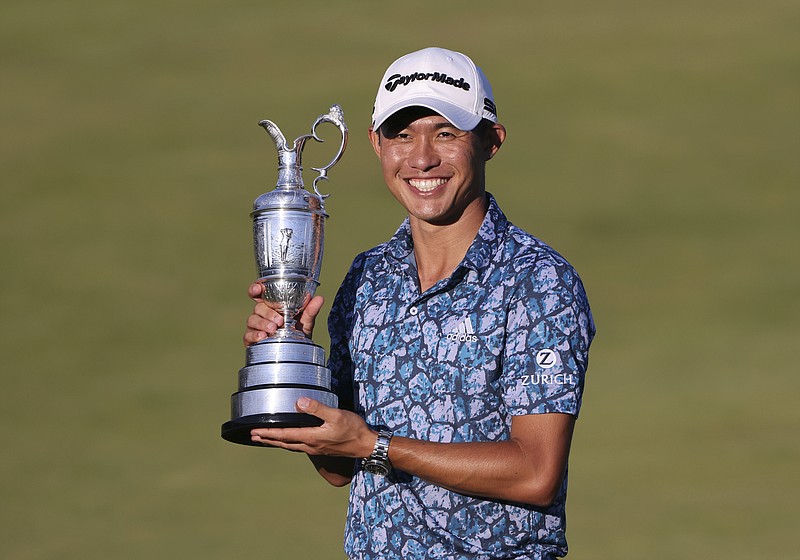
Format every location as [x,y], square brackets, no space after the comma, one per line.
[440,248]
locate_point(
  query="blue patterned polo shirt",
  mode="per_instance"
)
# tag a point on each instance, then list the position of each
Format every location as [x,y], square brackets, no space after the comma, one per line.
[507,334]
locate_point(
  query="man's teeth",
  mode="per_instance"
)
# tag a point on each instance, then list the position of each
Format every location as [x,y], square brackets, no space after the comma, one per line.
[425,185]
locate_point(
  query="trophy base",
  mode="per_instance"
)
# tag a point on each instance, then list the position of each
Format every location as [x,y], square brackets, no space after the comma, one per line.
[277,373]
[238,430]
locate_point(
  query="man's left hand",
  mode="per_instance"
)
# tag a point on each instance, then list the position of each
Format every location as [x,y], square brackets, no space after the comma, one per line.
[342,434]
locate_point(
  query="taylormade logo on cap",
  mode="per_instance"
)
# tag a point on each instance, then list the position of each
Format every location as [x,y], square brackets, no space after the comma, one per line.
[444,81]
[396,80]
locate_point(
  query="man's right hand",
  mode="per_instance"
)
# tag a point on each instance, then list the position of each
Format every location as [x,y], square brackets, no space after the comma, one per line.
[265,320]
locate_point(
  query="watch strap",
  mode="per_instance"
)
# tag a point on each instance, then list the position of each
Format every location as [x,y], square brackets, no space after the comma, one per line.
[378,461]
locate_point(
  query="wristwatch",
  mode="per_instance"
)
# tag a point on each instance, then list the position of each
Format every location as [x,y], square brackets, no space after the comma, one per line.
[378,463]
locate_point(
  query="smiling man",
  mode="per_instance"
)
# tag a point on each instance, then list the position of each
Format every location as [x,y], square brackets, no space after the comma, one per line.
[458,348]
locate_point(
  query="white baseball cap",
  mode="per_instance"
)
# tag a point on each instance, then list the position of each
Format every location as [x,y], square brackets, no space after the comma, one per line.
[444,81]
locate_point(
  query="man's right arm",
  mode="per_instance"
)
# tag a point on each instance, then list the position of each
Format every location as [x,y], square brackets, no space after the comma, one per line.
[338,471]
[263,322]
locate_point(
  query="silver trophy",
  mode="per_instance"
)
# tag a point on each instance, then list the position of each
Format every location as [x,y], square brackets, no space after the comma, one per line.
[288,228]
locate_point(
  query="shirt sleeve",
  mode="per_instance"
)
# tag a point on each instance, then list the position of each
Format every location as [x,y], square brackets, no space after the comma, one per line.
[549,331]
[340,329]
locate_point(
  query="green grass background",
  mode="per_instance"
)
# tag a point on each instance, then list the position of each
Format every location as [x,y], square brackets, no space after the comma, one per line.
[654,144]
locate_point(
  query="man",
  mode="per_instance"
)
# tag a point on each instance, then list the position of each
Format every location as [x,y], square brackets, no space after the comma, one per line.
[458,348]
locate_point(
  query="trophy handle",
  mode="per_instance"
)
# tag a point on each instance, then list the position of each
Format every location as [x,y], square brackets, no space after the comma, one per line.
[334,116]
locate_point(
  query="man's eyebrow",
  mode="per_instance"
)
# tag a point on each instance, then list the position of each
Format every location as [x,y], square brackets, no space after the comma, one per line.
[436,127]
[445,124]
[396,132]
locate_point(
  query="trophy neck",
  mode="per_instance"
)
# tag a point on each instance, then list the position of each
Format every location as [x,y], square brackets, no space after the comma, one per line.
[290,172]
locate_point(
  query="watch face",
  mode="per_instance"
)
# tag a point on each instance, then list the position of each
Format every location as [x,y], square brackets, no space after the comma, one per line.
[376,467]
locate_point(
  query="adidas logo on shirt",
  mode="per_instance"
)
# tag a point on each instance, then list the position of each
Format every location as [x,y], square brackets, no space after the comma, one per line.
[463,332]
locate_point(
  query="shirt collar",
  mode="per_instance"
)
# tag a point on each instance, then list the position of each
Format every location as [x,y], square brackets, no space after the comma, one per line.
[478,256]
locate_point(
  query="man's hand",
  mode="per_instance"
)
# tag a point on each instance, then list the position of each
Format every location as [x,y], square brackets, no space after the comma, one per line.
[342,434]
[265,320]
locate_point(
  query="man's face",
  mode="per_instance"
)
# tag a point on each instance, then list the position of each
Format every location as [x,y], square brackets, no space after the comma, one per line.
[435,170]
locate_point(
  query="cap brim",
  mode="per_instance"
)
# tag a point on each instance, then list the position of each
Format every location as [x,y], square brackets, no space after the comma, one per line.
[461,119]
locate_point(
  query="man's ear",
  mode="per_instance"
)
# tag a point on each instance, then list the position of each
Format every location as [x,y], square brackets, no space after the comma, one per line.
[375,140]
[494,138]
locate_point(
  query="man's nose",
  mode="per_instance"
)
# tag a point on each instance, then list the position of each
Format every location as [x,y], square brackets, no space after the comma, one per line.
[424,155]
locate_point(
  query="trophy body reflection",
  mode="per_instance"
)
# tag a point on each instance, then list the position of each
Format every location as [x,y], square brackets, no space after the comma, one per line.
[288,236]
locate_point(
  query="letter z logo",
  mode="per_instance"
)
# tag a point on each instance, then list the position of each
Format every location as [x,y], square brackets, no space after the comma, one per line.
[546,358]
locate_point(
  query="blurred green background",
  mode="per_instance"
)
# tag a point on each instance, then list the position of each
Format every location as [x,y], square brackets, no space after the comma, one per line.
[655,145]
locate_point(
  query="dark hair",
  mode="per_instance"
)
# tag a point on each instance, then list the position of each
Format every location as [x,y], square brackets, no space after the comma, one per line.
[483,128]
[403,117]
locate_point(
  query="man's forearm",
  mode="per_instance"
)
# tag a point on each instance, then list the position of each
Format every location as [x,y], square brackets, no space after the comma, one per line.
[527,470]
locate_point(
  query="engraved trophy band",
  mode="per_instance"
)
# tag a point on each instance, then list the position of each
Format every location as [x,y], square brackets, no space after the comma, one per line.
[288,239]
